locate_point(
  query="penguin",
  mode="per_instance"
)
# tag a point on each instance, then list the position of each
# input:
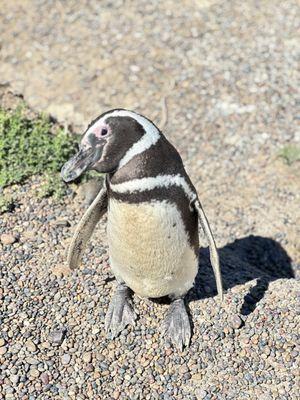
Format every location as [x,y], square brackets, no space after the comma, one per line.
[153,218]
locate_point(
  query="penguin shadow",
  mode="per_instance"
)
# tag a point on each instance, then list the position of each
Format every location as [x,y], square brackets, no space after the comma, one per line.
[245,259]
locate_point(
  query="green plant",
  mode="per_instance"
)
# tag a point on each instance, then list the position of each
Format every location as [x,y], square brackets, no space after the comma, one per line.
[6,204]
[290,153]
[27,147]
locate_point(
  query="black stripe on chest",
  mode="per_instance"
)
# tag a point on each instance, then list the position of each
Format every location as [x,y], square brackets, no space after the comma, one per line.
[173,195]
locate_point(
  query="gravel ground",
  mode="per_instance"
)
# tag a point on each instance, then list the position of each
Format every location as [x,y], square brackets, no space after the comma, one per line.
[53,343]
[229,72]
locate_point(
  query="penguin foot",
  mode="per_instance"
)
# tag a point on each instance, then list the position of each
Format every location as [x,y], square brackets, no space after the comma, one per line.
[120,312]
[177,325]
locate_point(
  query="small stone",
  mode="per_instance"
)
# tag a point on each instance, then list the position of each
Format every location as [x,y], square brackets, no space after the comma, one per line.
[31,360]
[57,336]
[2,342]
[87,356]
[183,369]
[45,378]
[3,350]
[28,235]
[61,270]
[116,394]
[14,378]
[236,322]
[30,346]
[200,393]
[89,367]
[65,359]
[34,373]
[197,377]
[169,352]
[8,238]
[265,397]
[62,223]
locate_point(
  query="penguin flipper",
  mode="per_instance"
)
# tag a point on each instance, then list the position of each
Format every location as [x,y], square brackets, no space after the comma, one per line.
[213,252]
[86,227]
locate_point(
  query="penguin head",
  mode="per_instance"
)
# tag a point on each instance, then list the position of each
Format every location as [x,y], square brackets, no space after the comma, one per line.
[109,142]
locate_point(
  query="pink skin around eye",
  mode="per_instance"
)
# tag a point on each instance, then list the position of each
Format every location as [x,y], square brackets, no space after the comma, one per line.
[95,130]
[98,129]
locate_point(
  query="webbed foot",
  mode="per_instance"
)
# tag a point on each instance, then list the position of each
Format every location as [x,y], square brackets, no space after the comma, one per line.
[120,312]
[177,325]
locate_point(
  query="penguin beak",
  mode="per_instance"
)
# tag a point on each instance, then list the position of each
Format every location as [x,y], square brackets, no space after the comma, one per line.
[78,164]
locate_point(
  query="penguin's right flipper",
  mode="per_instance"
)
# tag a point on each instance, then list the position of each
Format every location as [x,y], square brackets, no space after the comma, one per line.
[86,227]
[214,257]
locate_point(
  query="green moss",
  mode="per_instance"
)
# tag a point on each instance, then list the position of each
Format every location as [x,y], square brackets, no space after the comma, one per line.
[29,147]
[290,153]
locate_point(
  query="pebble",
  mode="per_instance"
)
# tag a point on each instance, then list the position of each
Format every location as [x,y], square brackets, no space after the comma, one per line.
[32,360]
[65,359]
[116,394]
[45,378]
[30,346]
[57,336]
[236,322]
[200,394]
[8,238]
[35,373]
[14,379]
[2,342]
[87,357]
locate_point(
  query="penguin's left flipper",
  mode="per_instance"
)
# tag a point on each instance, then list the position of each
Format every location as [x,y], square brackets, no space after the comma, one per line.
[176,324]
[86,227]
[214,257]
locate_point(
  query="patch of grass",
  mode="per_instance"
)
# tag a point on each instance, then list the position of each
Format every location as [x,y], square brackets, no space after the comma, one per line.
[290,153]
[7,203]
[27,147]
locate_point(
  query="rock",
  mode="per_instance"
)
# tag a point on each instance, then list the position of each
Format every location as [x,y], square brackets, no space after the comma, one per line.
[89,367]
[61,223]
[200,393]
[28,235]
[8,238]
[14,378]
[61,270]
[116,394]
[31,360]
[183,369]
[35,373]
[2,342]
[3,350]
[87,356]
[197,377]
[57,336]
[65,359]
[30,346]
[45,378]
[236,322]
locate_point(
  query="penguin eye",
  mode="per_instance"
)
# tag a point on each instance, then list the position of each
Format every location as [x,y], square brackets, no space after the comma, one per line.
[104,132]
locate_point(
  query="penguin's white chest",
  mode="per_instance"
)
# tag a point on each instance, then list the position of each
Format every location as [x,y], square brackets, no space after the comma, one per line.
[149,248]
